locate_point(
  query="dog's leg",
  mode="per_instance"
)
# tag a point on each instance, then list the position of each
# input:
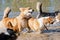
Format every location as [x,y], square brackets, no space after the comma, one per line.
[19,28]
[38,31]
[46,27]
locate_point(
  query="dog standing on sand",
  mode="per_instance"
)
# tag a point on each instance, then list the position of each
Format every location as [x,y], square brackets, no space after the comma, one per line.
[38,25]
[18,23]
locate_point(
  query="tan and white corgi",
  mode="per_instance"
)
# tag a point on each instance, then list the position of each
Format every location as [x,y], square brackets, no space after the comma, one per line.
[38,25]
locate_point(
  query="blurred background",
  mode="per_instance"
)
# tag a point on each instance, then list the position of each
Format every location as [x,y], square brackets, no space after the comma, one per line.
[48,5]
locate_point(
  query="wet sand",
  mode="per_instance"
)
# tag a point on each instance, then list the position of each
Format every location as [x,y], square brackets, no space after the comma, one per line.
[52,34]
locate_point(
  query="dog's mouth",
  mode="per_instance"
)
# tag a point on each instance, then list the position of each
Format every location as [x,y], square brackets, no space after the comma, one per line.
[29,13]
[29,16]
[53,21]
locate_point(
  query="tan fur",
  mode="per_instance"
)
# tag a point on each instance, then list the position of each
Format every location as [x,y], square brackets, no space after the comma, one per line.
[49,20]
[18,23]
[34,24]
[6,12]
[58,16]
[12,21]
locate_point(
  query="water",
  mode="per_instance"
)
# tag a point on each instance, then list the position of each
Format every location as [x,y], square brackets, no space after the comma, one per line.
[11,14]
[3,4]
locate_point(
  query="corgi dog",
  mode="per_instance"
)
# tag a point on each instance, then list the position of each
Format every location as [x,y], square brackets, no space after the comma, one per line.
[38,25]
[18,23]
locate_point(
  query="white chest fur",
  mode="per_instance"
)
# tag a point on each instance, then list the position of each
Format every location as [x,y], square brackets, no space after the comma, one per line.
[40,20]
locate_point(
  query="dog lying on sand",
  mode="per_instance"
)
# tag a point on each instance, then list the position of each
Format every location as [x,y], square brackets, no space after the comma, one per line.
[18,23]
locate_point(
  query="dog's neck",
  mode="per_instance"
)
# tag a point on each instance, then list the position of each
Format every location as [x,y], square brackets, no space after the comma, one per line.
[21,16]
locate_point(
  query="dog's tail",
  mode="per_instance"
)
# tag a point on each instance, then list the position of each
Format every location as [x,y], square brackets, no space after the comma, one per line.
[39,9]
[6,12]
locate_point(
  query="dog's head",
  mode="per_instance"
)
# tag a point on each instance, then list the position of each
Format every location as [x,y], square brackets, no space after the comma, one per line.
[57,17]
[48,20]
[26,11]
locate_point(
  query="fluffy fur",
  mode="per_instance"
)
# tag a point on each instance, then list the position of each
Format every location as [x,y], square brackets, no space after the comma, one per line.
[18,23]
[57,18]
[38,25]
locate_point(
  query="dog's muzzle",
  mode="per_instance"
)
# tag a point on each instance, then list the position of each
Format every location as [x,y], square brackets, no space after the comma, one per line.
[31,11]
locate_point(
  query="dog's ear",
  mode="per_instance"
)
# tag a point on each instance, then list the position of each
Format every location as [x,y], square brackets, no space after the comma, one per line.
[21,9]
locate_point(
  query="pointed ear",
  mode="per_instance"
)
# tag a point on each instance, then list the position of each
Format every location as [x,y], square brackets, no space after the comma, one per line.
[21,9]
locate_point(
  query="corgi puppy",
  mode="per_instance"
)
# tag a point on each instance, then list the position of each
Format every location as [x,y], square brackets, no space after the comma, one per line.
[38,25]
